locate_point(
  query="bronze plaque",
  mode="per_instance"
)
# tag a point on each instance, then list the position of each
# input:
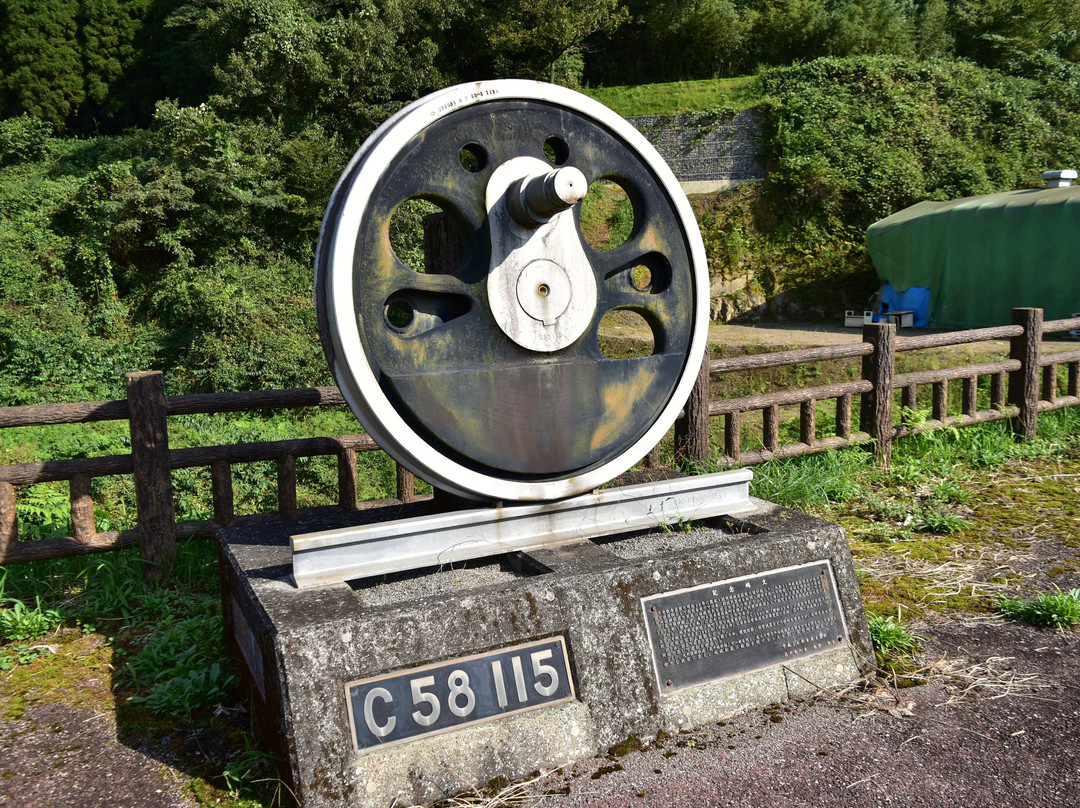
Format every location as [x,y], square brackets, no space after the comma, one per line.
[743,624]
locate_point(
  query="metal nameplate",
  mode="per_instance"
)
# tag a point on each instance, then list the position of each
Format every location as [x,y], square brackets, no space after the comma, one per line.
[743,624]
[404,706]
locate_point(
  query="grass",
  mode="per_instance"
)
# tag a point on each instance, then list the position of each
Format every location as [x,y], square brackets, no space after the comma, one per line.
[944,527]
[894,644]
[96,639]
[678,96]
[17,622]
[1060,610]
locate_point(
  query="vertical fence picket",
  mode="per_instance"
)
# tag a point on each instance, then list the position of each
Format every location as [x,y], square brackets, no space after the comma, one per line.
[1024,383]
[9,522]
[153,479]
[843,416]
[1049,383]
[348,495]
[406,484]
[221,489]
[808,422]
[82,509]
[733,435]
[969,404]
[770,427]
[909,397]
[286,485]
[939,403]
[1074,379]
[652,459]
[997,391]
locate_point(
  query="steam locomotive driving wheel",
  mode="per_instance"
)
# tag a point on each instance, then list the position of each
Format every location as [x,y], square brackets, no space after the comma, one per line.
[488,379]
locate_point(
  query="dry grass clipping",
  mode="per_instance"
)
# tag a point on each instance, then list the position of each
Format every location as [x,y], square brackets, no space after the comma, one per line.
[962,680]
[965,680]
[964,574]
[514,795]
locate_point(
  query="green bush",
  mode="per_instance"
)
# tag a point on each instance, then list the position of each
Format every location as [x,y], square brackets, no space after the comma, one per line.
[857,139]
[23,139]
[849,141]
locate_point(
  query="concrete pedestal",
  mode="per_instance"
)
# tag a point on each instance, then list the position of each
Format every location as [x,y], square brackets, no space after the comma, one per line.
[300,649]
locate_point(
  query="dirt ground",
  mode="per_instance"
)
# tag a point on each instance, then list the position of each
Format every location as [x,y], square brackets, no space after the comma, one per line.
[996,723]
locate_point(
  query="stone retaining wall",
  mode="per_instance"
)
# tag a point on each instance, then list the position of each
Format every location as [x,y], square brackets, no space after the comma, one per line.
[707,151]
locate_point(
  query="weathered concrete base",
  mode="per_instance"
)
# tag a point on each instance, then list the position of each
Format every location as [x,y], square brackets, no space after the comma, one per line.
[298,649]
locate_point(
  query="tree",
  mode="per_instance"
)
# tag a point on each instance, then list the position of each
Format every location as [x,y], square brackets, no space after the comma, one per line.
[872,26]
[531,41]
[708,39]
[784,31]
[985,30]
[294,63]
[110,33]
[932,38]
[42,62]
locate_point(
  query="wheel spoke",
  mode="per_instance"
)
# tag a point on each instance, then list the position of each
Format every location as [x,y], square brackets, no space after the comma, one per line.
[434,284]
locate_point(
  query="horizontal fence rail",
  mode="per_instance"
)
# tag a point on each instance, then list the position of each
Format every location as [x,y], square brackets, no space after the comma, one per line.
[1018,387]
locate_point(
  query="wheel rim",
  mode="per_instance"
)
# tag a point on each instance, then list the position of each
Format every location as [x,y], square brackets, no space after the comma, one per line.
[421,358]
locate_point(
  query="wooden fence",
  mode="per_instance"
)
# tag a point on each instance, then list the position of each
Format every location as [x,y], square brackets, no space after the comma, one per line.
[1015,393]
[1021,386]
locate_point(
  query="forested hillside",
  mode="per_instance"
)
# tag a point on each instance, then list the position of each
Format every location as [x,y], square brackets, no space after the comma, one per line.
[164,165]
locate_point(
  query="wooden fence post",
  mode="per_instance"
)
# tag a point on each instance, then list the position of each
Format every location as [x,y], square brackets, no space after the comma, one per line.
[406,484]
[9,522]
[1024,383]
[692,430]
[347,493]
[153,480]
[876,406]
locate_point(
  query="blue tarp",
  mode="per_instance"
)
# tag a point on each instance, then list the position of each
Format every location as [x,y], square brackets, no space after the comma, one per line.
[916,300]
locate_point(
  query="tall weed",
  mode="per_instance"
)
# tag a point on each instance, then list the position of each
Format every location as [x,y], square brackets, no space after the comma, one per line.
[17,622]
